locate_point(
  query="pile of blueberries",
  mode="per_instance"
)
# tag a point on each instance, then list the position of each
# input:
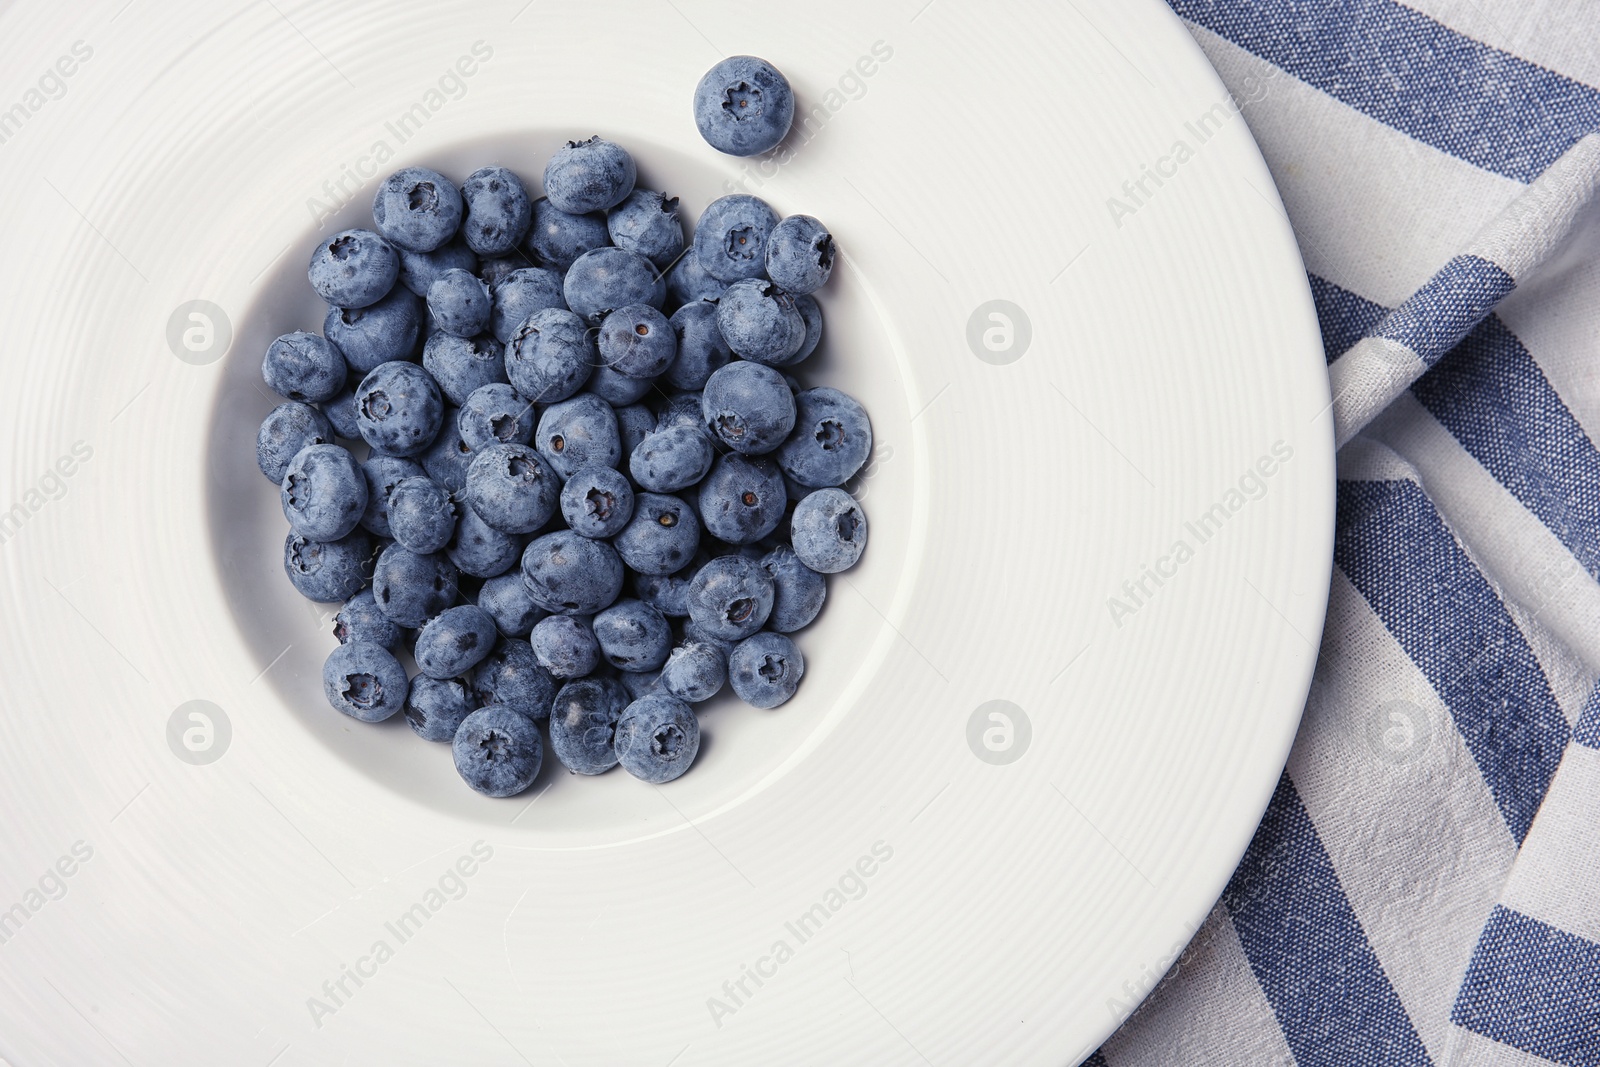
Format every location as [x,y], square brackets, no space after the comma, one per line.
[590,494]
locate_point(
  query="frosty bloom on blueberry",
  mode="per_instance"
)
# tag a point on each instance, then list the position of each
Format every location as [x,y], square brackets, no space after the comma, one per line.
[558,459]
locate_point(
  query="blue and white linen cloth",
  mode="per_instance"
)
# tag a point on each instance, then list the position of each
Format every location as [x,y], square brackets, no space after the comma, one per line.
[1425,887]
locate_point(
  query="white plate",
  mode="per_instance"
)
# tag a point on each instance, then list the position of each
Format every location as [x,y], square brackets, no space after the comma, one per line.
[1007,905]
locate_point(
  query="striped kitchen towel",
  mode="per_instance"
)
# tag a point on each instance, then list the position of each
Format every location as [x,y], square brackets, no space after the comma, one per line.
[1425,886]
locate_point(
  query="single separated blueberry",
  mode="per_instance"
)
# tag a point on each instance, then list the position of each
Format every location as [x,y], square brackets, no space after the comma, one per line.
[557,239]
[633,636]
[637,340]
[383,473]
[657,738]
[616,388]
[495,414]
[498,751]
[702,350]
[498,211]
[287,429]
[354,269]
[522,294]
[398,409]
[512,488]
[765,669]
[662,536]
[422,515]
[591,175]
[303,367]
[506,600]
[730,240]
[364,681]
[647,223]
[832,438]
[412,588]
[578,432]
[565,645]
[341,411]
[811,312]
[323,493]
[454,641]
[327,571]
[800,254]
[730,598]
[760,322]
[797,591]
[583,724]
[743,499]
[635,422]
[459,302]
[695,671]
[828,531]
[743,106]
[597,501]
[551,355]
[372,335]
[435,707]
[360,620]
[512,676]
[419,269]
[481,550]
[417,209]
[609,278]
[748,407]
[671,459]
[447,459]
[567,574]
[462,364]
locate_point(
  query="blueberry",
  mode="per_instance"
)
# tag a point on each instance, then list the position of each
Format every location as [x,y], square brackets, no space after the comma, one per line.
[303,367]
[287,429]
[661,537]
[637,340]
[360,620]
[682,409]
[609,278]
[512,676]
[592,175]
[522,294]
[639,684]
[616,388]
[364,681]
[800,253]
[550,355]
[743,499]
[481,550]
[323,492]
[436,707]
[597,501]
[657,738]
[341,412]
[377,334]
[635,422]
[398,409]
[417,209]
[412,588]
[497,751]
[696,671]
[354,269]
[459,303]
[797,590]
[512,488]
[461,364]
[730,239]
[749,407]
[578,432]
[568,574]
[498,211]
[454,641]
[419,269]
[447,459]
[829,531]
[730,598]
[692,631]
[811,312]
[382,474]
[497,269]
[832,438]
[743,106]
[701,348]
[557,239]
[671,459]
[506,600]
[647,223]
[422,516]
[669,593]
[583,724]
[495,414]
[327,571]
[565,645]
[688,281]
[765,669]
[760,322]
[633,636]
